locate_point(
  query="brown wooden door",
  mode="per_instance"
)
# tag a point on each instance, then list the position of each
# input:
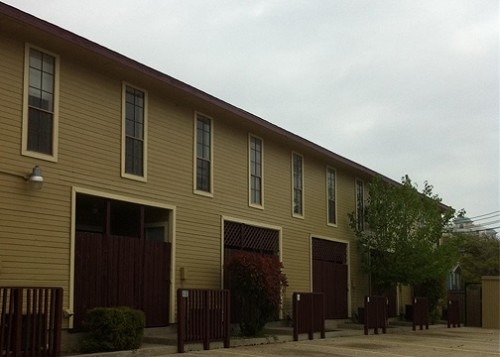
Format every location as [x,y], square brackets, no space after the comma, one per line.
[330,276]
[473,314]
[121,271]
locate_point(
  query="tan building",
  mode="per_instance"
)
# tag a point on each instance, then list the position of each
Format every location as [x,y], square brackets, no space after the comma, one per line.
[148,183]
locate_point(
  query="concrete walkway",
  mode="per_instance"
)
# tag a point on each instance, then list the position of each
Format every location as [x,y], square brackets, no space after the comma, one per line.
[400,341]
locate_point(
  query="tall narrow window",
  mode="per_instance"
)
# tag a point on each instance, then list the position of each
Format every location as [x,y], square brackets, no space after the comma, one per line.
[298,185]
[40,117]
[330,187]
[256,187]
[360,205]
[203,154]
[135,131]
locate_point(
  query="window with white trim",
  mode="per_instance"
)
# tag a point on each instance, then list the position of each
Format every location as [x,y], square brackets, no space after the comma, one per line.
[256,171]
[360,205]
[134,133]
[331,196]
[203,150]
[297,185]
[40,118]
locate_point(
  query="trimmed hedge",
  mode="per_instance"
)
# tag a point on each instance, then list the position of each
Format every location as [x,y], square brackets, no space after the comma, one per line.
[113,329]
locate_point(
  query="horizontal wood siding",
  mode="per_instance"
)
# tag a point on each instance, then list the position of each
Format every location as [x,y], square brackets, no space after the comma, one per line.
[35,226]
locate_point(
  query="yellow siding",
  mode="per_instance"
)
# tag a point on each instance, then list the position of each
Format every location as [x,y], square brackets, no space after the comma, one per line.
[491,301]
[35,233]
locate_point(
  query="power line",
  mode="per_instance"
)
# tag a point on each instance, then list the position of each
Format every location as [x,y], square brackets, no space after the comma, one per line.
[487,217]
[488,223]
[485,214]
[483,230]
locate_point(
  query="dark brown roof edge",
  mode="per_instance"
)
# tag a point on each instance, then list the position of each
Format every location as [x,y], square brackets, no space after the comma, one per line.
[57,31]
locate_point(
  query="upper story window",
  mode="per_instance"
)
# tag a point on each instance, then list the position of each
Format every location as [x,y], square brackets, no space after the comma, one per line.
[134,148]
[360,205]
[203,154]
[256,171]
[40,116]
[331,196]
[298,185]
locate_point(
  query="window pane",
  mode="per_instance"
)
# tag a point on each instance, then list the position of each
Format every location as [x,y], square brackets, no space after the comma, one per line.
[139,99]
[35,78]
[139,131]
[48,82]
[203,154]
[139,114]
[129,127]
[129,111]
[35,97]
[134,156]
[202,176]
[47,101]
[48,63]
[129,96]
[40,128]
[35,59]
[331,212]
[297,184]
[138,157]
[134,131]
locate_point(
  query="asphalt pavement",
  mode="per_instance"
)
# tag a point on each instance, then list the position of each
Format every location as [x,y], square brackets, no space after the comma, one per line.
[438,341]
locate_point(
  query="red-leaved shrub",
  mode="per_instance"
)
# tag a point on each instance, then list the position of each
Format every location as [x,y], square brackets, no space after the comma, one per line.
[256,282]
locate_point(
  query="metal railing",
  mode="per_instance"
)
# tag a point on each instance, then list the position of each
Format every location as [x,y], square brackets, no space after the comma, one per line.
[376,313]
[202,316]
[308,314]
[420,313]
[30,321]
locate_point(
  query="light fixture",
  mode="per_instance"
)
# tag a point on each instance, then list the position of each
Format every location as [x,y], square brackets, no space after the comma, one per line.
[35,178]
[36,175]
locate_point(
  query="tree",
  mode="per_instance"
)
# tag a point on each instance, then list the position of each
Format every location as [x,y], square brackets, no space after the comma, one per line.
[479,256]
[401,242]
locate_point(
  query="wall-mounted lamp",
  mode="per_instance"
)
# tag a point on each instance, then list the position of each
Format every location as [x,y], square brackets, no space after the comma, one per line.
[35,178]
[35,175]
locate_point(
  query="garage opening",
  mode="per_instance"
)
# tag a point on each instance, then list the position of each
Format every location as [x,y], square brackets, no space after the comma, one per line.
[238,237]
[329,260]
[122,258]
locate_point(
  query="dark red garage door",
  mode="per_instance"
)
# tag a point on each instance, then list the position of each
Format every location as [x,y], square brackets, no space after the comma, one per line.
[330,275]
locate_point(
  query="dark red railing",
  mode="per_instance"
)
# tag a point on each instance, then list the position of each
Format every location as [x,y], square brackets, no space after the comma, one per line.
[202,316]
[453,313]
[30,321]
[308,314]
[376,313]
[420,313]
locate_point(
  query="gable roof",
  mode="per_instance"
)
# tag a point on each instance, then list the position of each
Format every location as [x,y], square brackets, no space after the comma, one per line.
[24,19]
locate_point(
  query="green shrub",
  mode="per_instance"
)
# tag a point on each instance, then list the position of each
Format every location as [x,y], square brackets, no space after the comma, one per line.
[256,282]
[434,290]
[113,329]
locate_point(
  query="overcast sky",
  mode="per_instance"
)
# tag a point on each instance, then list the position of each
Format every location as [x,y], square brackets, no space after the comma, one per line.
[400,86]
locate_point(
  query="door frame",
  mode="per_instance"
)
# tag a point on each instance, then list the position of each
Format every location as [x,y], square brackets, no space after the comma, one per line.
[171,234]
[348,261]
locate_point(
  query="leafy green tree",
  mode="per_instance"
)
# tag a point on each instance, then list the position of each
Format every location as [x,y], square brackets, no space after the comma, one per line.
[402,235]
[479,256]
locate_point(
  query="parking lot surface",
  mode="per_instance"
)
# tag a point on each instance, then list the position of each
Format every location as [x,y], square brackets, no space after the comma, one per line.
[437,341]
